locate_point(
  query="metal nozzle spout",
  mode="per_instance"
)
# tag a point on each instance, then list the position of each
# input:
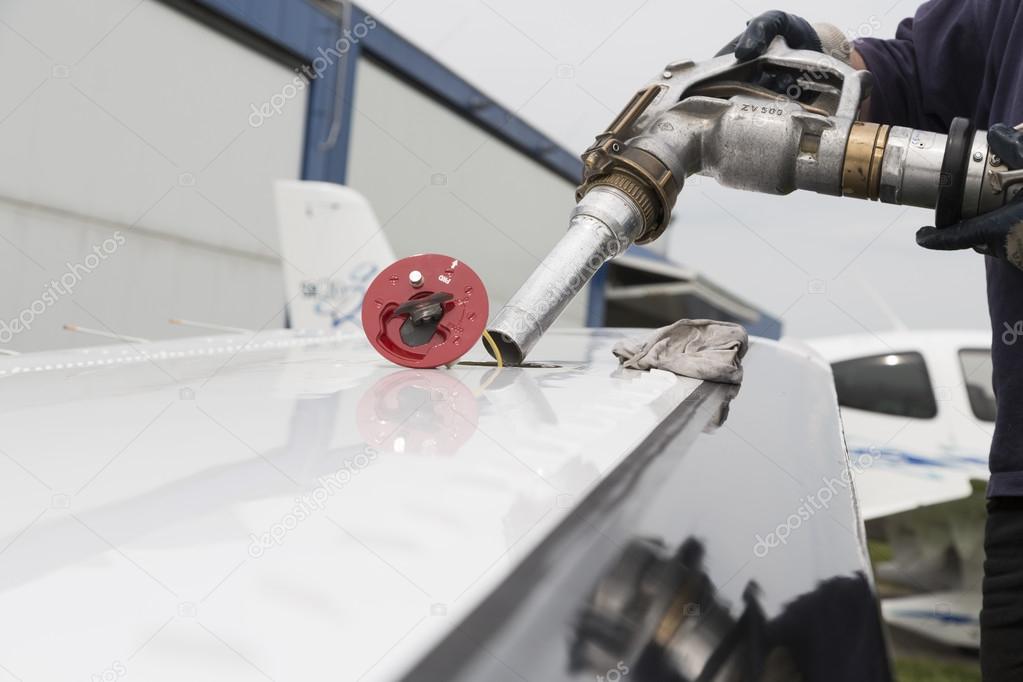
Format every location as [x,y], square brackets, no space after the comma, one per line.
[511,352]
[604,224]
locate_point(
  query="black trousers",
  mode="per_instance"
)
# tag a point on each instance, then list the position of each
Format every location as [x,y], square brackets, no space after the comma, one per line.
[1001,620]
[1005,303]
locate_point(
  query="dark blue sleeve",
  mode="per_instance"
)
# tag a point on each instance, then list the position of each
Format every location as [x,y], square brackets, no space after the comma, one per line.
[932,70]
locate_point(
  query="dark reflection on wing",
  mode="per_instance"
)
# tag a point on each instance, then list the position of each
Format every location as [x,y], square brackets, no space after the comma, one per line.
[656,615]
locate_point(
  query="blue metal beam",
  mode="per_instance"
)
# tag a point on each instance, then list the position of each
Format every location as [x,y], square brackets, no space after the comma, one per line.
[309,38]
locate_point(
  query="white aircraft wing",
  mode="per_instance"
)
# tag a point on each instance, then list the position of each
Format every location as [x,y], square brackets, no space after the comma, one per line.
[948,617]
[885,492]
[890,480]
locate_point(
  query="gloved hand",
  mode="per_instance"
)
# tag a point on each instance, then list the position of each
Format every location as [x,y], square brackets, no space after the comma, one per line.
[998,233]
[799,34]
[761,31]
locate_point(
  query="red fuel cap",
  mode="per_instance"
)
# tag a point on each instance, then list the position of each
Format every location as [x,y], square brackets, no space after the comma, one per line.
[425,311]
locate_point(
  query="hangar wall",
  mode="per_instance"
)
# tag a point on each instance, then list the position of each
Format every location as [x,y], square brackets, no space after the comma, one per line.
[180,195]
[101,136]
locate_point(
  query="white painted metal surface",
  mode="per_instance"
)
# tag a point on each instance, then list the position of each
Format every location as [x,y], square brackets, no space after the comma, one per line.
[917,462]
[119,116]
[331,249]
[947,617]
[286,506]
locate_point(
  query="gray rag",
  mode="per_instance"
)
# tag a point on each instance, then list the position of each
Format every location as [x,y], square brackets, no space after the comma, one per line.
[700,349]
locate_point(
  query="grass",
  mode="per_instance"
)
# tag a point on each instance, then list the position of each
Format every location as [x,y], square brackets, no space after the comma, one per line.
[928,670]
[879,551]
[917,668]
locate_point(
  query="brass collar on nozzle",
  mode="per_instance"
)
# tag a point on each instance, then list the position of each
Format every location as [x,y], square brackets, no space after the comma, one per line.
[641,176]
[864,152]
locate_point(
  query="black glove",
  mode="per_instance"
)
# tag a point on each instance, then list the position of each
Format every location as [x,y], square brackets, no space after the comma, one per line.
[998,233]
[761,32]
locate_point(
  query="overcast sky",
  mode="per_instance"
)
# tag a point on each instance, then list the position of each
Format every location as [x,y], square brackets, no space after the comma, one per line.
[775,251]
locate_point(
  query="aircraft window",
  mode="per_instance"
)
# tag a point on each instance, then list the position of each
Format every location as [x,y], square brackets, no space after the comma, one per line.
[977,373]
[895,383]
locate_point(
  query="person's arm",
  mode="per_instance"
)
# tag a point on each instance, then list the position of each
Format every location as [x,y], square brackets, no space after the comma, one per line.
[930,73]
[923,78]
[932,70]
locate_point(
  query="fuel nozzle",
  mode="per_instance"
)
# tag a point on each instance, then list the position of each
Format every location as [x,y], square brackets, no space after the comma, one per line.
[954,174]
[626,197]
[605,223]
[713,119]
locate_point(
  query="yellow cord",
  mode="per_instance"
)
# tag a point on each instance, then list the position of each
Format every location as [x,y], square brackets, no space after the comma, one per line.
[493,347]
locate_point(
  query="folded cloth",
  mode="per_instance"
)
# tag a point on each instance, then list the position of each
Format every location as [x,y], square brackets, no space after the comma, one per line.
[700,349]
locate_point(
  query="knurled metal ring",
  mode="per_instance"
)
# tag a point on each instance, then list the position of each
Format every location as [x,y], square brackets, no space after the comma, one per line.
[643,197]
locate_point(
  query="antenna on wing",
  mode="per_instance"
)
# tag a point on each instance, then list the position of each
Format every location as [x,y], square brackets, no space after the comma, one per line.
[107,335]
[208,325]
